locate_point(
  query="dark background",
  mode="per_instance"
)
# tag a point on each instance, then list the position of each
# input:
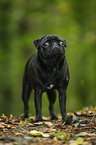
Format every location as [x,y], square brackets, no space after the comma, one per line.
[21,22]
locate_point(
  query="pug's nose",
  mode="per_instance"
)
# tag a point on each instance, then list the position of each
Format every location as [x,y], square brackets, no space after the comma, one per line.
[55,46]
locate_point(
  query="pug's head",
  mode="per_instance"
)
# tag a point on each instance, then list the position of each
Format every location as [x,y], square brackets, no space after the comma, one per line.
[51,48]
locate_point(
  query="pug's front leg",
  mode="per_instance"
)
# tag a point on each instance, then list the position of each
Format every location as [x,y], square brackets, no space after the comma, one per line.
[38,104]
[62,101]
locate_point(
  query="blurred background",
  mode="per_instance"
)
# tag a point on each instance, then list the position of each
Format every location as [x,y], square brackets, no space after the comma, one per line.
[21,22]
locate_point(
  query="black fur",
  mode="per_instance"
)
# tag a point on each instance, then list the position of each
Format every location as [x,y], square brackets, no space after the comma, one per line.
[46,71]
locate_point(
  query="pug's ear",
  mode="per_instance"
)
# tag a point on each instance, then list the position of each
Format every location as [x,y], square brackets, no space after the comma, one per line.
[65,43]
[36,43]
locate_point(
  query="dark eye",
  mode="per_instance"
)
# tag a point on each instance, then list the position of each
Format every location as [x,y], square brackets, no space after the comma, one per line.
[46,44]
[61,43]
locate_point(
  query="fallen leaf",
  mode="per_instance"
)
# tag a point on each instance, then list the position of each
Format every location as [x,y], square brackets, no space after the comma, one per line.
[28,137]
[21,122]
[1,134]
[37,133]
[48,124]
[18,133]
[83,134]
[11,116]
[75,120]
[90,138]
[38,123]
[62,135]
[1,126]
[28,120]
[79,140]
[72,142]
[4,117]
[10,126]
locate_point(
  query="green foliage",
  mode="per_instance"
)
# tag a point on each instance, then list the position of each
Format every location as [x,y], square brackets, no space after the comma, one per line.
[22,21]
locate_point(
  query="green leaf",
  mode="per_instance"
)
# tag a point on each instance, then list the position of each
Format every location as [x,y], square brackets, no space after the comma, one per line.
[28,120]
[83,134]
[62,135]
[79,140]
[37,133]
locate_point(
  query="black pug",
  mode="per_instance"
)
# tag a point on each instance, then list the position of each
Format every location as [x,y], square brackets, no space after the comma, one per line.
[46,71]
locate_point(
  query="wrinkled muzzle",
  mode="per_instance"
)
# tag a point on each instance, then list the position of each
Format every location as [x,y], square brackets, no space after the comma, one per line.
[52,53]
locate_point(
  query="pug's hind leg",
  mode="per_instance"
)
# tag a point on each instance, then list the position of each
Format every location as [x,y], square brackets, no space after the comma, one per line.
[52,97]
[25,96]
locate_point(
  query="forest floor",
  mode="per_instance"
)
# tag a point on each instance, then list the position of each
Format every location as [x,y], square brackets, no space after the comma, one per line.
[79,128]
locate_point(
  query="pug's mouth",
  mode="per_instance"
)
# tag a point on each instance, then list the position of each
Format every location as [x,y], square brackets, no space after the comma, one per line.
[50,54]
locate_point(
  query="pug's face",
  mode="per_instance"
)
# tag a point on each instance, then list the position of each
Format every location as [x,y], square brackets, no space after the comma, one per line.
[51,47]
